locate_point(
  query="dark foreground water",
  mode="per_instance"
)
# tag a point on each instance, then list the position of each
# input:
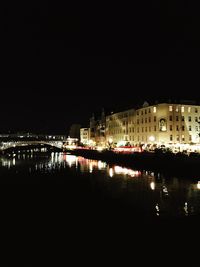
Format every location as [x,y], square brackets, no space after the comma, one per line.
[95,182]
[67,208]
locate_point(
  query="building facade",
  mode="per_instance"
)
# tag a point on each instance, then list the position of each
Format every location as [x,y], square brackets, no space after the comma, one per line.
[85,136]
[157,125]
[97,129]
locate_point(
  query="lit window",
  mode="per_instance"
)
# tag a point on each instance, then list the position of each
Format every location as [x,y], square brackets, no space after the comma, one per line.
[183,137]
[189,109]
[182,109]
[154,109]
[170,108]
[177,109]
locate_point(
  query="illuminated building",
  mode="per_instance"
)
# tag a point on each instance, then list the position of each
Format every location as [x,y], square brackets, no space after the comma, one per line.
[173,125]
[85,136]
[97,129]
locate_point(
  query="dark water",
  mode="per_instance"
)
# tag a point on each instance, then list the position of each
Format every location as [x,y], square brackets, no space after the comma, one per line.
[92,182]
[64,209]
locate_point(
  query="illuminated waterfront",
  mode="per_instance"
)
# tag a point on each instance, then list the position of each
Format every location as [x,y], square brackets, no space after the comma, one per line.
[146,193]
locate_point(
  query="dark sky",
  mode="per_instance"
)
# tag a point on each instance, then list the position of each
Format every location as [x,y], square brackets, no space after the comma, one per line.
[61,63]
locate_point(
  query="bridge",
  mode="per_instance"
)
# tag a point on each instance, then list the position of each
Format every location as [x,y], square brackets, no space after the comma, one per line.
[15,141]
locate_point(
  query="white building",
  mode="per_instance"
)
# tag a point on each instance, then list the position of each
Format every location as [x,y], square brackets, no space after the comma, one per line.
[85,135]
[175,125]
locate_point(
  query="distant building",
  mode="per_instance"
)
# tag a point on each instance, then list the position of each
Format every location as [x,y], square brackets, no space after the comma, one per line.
[156,125]
[97,129]
[85,136]
[74,131]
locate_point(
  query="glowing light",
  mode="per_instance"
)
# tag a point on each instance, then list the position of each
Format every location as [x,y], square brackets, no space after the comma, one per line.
[125,171]
[152,138]
[101,165]
[110,140]
[198,185]
[90,167]
[111,173]
[152,185]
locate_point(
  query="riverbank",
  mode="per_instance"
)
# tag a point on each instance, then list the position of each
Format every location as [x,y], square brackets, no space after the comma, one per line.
[177,164]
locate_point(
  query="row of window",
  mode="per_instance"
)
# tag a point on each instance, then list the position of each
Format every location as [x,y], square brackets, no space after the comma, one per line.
[146,139]
[182,109]
[146,120]
[150,128]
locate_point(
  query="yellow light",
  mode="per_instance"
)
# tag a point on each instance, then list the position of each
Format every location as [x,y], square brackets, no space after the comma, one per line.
[111,172]
[152,185]
[198,185]
[152,138]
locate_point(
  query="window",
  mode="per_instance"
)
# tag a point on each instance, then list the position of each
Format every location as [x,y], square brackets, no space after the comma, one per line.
[142,129]
[177,138]
[189,109]
[138,130]
[170,108]
[177,109]
[171,137]
[176,118]
[155,128]
[183,137]
[183,118]
[189,118]
[190,128]
[130,130]
[145,120]
[133,129]
[138,112]
[149,110]
[154,109]
[154,118]
[149,128]
[170,117]
[142,112]
[182,109]
[149,119]
[142,120]
[196,110]
[171,128]
[145,111]
[196,119]
[177,128]
[197,128]
[145,129]
[190,137]
[137,121]
[183,128]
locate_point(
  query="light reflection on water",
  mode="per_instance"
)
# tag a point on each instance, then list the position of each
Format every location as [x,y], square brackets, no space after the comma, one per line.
[152,192]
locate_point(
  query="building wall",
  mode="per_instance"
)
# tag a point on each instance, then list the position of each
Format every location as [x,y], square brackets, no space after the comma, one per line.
[85,135]
[159,124]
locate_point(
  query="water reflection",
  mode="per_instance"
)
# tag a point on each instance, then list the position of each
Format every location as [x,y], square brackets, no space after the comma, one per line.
[151,192]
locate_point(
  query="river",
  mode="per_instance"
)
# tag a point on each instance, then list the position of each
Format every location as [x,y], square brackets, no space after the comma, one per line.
[100,185]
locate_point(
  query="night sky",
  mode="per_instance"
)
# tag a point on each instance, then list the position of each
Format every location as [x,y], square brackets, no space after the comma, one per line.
[62,63]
